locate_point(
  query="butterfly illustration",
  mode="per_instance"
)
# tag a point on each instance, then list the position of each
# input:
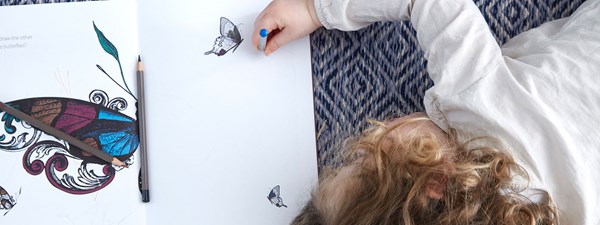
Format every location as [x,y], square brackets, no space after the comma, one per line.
[98,122]
[7,201]
[229,40]
[99,126]
[274,197]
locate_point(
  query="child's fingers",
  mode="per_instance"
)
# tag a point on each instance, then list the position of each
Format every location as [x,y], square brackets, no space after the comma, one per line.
[285,21]
[277,40]
[265,20]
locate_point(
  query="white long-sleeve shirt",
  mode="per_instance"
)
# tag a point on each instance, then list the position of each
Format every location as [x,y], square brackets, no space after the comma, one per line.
[539,93]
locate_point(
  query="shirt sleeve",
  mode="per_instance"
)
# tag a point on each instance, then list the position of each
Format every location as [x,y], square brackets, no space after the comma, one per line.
[351,15]
[458,44]
[456,40]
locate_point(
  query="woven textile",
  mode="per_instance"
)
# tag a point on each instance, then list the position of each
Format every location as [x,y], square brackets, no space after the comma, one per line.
[379,71]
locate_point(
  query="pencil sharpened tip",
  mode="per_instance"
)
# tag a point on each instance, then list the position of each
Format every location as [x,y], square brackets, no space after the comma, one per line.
[118,162]
[139,58]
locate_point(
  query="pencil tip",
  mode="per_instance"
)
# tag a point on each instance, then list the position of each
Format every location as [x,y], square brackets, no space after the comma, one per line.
[118,162]
[139,58]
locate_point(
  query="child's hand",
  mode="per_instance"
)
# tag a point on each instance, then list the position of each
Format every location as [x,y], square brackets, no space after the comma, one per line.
[285,20]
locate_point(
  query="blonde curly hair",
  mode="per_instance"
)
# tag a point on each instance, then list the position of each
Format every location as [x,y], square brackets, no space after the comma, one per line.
[417,178]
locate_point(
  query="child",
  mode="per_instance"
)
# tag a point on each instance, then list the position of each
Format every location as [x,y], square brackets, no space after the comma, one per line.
[536,96]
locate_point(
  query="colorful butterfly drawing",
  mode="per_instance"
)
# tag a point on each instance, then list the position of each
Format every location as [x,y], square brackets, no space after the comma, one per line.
[7,201]
[98,122]
[274,197]
[98,126]
[229,40]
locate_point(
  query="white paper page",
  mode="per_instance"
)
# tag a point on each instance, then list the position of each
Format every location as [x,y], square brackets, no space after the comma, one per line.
[223,130]
[51,50]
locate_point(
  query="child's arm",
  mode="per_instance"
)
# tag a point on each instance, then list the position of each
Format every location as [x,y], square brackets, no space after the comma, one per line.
[458,44]
[453,33]
[288,20]
[351,15]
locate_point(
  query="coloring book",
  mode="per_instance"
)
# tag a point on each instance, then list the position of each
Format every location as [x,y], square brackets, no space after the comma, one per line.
[231,137]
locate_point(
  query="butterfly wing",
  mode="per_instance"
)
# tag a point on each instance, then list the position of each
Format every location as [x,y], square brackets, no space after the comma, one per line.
[67,116]
[75,116]
[3,194]
[115,133]
[100,127]
[217,47]
[280,202]
[230,30]
[274,196]
[274,192]
[5,198]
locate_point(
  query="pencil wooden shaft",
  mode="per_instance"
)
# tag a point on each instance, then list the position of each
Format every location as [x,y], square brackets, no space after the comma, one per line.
[142,125]
[56,132]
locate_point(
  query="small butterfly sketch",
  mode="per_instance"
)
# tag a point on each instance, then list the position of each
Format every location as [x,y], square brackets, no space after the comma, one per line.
[274,197]
[7,201]
[229,40]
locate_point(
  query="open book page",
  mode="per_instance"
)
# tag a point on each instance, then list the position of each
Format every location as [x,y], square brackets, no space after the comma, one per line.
[226,125]
[53,65]
[230,132]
